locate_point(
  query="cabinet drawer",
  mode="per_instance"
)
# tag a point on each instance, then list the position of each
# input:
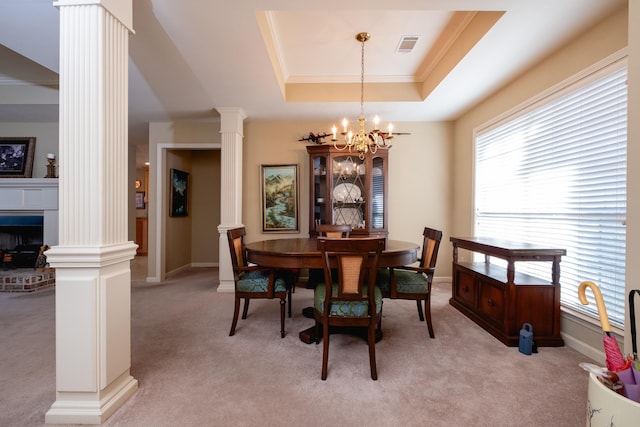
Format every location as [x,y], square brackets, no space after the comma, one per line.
[465,288]
[492,301]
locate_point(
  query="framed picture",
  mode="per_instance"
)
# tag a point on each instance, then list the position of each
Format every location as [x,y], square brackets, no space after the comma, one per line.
[139,199]
[16,157]
[179,198]
[279,198]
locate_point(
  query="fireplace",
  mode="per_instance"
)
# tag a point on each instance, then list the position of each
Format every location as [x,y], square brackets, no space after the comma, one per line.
[30,203]
[28,220]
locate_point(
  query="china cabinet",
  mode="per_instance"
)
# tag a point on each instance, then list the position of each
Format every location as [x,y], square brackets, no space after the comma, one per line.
[345,189]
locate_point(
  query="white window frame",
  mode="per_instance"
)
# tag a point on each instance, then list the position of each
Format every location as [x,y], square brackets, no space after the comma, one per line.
[569,301]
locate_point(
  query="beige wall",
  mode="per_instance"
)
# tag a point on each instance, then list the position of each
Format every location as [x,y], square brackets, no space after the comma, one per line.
[178,230]
[192,240]
[185,139]
[205,192]
[596,44]
[419,177]
[46,135]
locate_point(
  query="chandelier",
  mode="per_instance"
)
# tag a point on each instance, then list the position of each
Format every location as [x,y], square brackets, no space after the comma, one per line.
[362,141]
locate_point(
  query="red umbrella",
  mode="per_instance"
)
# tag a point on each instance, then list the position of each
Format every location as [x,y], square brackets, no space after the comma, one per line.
[614,358]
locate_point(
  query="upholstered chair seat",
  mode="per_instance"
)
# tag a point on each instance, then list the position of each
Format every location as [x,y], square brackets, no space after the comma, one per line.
[407,282]
[413,282]
[256,282]
[346,308]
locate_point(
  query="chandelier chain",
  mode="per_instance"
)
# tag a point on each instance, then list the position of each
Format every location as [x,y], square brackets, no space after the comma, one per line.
[362,78]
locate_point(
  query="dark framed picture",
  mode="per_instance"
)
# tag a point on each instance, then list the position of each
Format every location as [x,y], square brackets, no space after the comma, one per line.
[179,198]
[279,198]
[16,157]
[139,199]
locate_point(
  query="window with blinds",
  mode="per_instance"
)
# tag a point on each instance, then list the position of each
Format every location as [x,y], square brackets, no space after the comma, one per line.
[554,174]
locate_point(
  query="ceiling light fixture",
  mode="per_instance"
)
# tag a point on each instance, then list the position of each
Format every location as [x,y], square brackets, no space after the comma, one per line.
[362,141]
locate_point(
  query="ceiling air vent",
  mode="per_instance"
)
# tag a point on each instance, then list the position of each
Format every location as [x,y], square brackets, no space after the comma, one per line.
[407,43]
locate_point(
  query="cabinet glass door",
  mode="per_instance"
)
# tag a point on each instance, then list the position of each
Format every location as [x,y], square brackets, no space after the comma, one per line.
[348,194]
[377,193]
[319,202]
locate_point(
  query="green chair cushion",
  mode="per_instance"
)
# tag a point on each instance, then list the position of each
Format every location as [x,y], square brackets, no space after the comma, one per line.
[258,281]
[345,308]
[383,280]
[407,282]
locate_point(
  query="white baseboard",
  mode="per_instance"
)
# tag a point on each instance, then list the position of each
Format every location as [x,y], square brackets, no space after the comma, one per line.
[204,264]
[596,355]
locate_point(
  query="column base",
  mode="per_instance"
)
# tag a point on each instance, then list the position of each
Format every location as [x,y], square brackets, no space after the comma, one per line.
[91,408]
[226,286]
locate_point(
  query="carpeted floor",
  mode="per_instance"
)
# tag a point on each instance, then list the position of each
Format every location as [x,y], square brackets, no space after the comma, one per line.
[191,373]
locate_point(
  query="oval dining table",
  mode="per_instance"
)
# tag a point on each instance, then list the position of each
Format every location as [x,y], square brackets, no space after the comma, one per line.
[303,252]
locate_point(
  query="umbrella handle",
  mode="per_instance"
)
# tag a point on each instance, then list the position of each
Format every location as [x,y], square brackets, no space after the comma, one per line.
[602,310]
[632,318]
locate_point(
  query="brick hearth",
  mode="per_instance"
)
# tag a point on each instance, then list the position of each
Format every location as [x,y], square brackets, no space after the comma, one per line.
[26,280]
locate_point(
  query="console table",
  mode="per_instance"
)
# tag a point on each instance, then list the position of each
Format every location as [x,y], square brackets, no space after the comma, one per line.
[501,299]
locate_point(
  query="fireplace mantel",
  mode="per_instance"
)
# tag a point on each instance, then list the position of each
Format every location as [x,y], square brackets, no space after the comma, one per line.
[32,195]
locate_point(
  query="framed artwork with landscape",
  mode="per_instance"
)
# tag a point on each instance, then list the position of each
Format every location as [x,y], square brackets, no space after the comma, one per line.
[16,157]
[179,197]
[279,198]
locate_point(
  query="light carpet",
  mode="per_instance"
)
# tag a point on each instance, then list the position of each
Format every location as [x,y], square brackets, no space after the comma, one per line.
[191,373]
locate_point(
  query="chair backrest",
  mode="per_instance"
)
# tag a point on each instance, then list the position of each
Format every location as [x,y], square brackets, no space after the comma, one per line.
[356,260]
[430,246]
[235,236]
[334,231]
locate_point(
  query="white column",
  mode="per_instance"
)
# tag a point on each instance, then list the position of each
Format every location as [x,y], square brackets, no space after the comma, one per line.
[93,278]
[231,122]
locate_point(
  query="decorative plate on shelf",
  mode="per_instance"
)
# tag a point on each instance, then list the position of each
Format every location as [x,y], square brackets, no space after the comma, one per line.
[346,192]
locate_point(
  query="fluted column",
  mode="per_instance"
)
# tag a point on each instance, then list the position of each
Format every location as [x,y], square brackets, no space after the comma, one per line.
[93,277]
[231,129]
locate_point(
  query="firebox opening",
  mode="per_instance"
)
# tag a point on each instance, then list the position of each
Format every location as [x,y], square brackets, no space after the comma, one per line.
[21,236]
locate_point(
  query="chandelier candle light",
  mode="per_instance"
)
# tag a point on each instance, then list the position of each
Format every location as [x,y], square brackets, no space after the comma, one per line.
[362,141]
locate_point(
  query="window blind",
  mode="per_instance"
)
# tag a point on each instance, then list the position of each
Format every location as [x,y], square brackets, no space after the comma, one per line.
[555,175]
[377,204]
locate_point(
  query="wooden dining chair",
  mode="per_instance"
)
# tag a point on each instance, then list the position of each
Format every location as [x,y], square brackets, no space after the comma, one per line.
[255,282]
[354,299]
[331,231]
[414,282]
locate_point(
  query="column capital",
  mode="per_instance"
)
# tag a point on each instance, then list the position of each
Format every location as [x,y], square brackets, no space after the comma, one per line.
[231,119]
[122,10]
